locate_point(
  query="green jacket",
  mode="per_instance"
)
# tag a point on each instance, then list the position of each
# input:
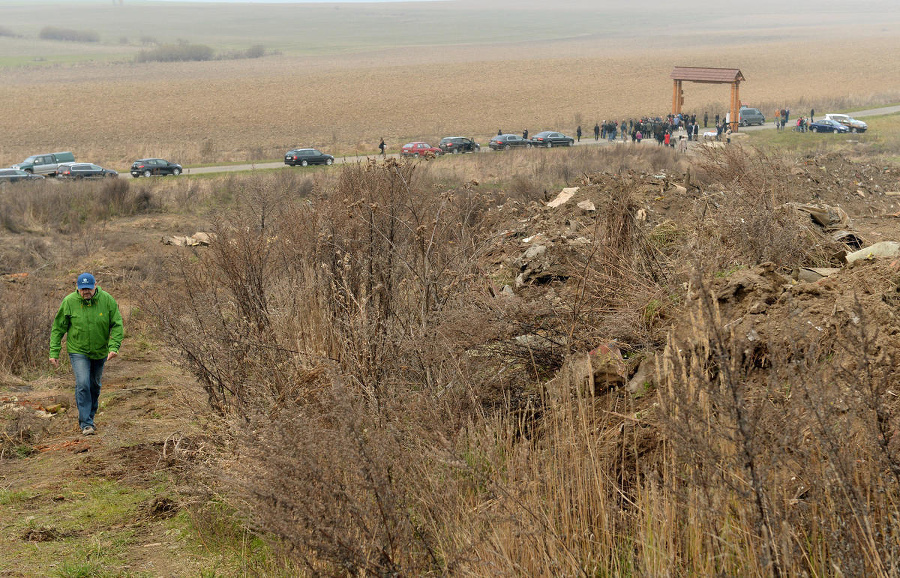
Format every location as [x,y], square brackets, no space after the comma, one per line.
[94,327]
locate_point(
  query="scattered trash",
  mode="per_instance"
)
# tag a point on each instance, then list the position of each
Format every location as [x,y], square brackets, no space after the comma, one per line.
[195,240]
[880,249]
[563,197]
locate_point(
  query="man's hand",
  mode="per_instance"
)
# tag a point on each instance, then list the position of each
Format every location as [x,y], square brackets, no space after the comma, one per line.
[111,354]
[54,362]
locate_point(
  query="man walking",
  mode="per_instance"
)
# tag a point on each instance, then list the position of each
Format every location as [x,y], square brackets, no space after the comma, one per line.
[596,131]
[91,320]
[381,146]
[578,133]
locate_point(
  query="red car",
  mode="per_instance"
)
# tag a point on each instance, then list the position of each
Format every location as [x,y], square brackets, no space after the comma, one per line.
[419,149]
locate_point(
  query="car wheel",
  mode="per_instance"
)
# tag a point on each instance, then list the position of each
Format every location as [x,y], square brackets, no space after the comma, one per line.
[549,145]
[814,129]
[506,147]
[176,172]
[528,146]
[147,173]
[853,130]
[111,175]
[456,151]
[416,155]
[329,161]
[303,163]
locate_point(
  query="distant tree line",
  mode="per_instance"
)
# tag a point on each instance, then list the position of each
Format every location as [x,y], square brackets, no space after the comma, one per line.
[183,51]
[68,35]
[4,31]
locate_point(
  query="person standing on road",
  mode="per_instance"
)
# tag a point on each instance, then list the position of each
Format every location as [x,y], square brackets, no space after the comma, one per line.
[705,120]
[381,146]
[578,133]
[90,318]
[596,131]
[812,115]
[525,134]
[717,119]
[499,132]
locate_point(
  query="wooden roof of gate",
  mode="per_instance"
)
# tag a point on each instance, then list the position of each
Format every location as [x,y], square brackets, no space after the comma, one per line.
[699,74]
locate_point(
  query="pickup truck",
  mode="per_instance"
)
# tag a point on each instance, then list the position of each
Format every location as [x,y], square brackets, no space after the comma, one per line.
[44,164]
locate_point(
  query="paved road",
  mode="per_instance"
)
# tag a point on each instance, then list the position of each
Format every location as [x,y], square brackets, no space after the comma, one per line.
[585,141]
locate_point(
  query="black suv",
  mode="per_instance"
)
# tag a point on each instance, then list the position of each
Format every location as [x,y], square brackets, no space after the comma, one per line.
[305,157]
[458,144]
[148,167]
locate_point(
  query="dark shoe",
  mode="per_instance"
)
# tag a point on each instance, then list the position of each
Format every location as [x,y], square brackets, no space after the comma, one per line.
[88,431]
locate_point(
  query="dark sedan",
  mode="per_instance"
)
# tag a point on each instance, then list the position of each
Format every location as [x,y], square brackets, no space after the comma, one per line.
[549,138]
[150,167]
[827,125]
[507,141]
[304,157]
[83,171]
[15,175]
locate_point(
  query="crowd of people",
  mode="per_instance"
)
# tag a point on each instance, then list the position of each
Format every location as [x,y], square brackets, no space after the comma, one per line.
[663,130]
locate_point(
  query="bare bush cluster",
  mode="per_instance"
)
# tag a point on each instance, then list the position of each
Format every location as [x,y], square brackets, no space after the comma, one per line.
[186,52]
[799,432]
[68,35]
[67,207]
[384,408]
[742,218]
[24,328]
[351,342]
[176,53]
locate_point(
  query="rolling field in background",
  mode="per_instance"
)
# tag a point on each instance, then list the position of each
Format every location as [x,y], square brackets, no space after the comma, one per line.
[343,76]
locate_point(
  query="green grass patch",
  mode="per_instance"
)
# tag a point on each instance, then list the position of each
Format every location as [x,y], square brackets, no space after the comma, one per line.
[13,497]
[881,139]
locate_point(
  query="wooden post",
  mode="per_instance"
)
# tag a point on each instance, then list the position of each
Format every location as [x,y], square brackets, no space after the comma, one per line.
[676,97]
[734,107]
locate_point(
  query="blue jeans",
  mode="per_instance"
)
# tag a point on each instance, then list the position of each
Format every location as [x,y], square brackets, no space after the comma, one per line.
[87,386]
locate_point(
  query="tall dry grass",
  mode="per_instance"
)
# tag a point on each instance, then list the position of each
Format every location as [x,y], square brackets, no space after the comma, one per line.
[375,419]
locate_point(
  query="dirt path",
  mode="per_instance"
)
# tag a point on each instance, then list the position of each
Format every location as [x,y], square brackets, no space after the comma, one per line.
[106,500]
[107,504]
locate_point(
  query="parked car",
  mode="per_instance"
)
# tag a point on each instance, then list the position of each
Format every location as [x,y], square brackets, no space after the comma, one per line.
[44,164]
[549,138]
[827,125]
[419,149]
[508,141]
[16,175]
[458,144]
[748,116]
[849,122]
[304,157]
[83,171]
[150,167]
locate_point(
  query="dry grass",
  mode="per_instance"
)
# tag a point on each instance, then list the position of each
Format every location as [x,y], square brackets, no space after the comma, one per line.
[383,422]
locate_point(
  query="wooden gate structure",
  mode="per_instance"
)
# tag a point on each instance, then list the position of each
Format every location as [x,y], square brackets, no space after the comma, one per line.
[730,76]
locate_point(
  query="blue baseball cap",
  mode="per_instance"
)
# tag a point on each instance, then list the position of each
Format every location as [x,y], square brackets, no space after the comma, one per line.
[86,281]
